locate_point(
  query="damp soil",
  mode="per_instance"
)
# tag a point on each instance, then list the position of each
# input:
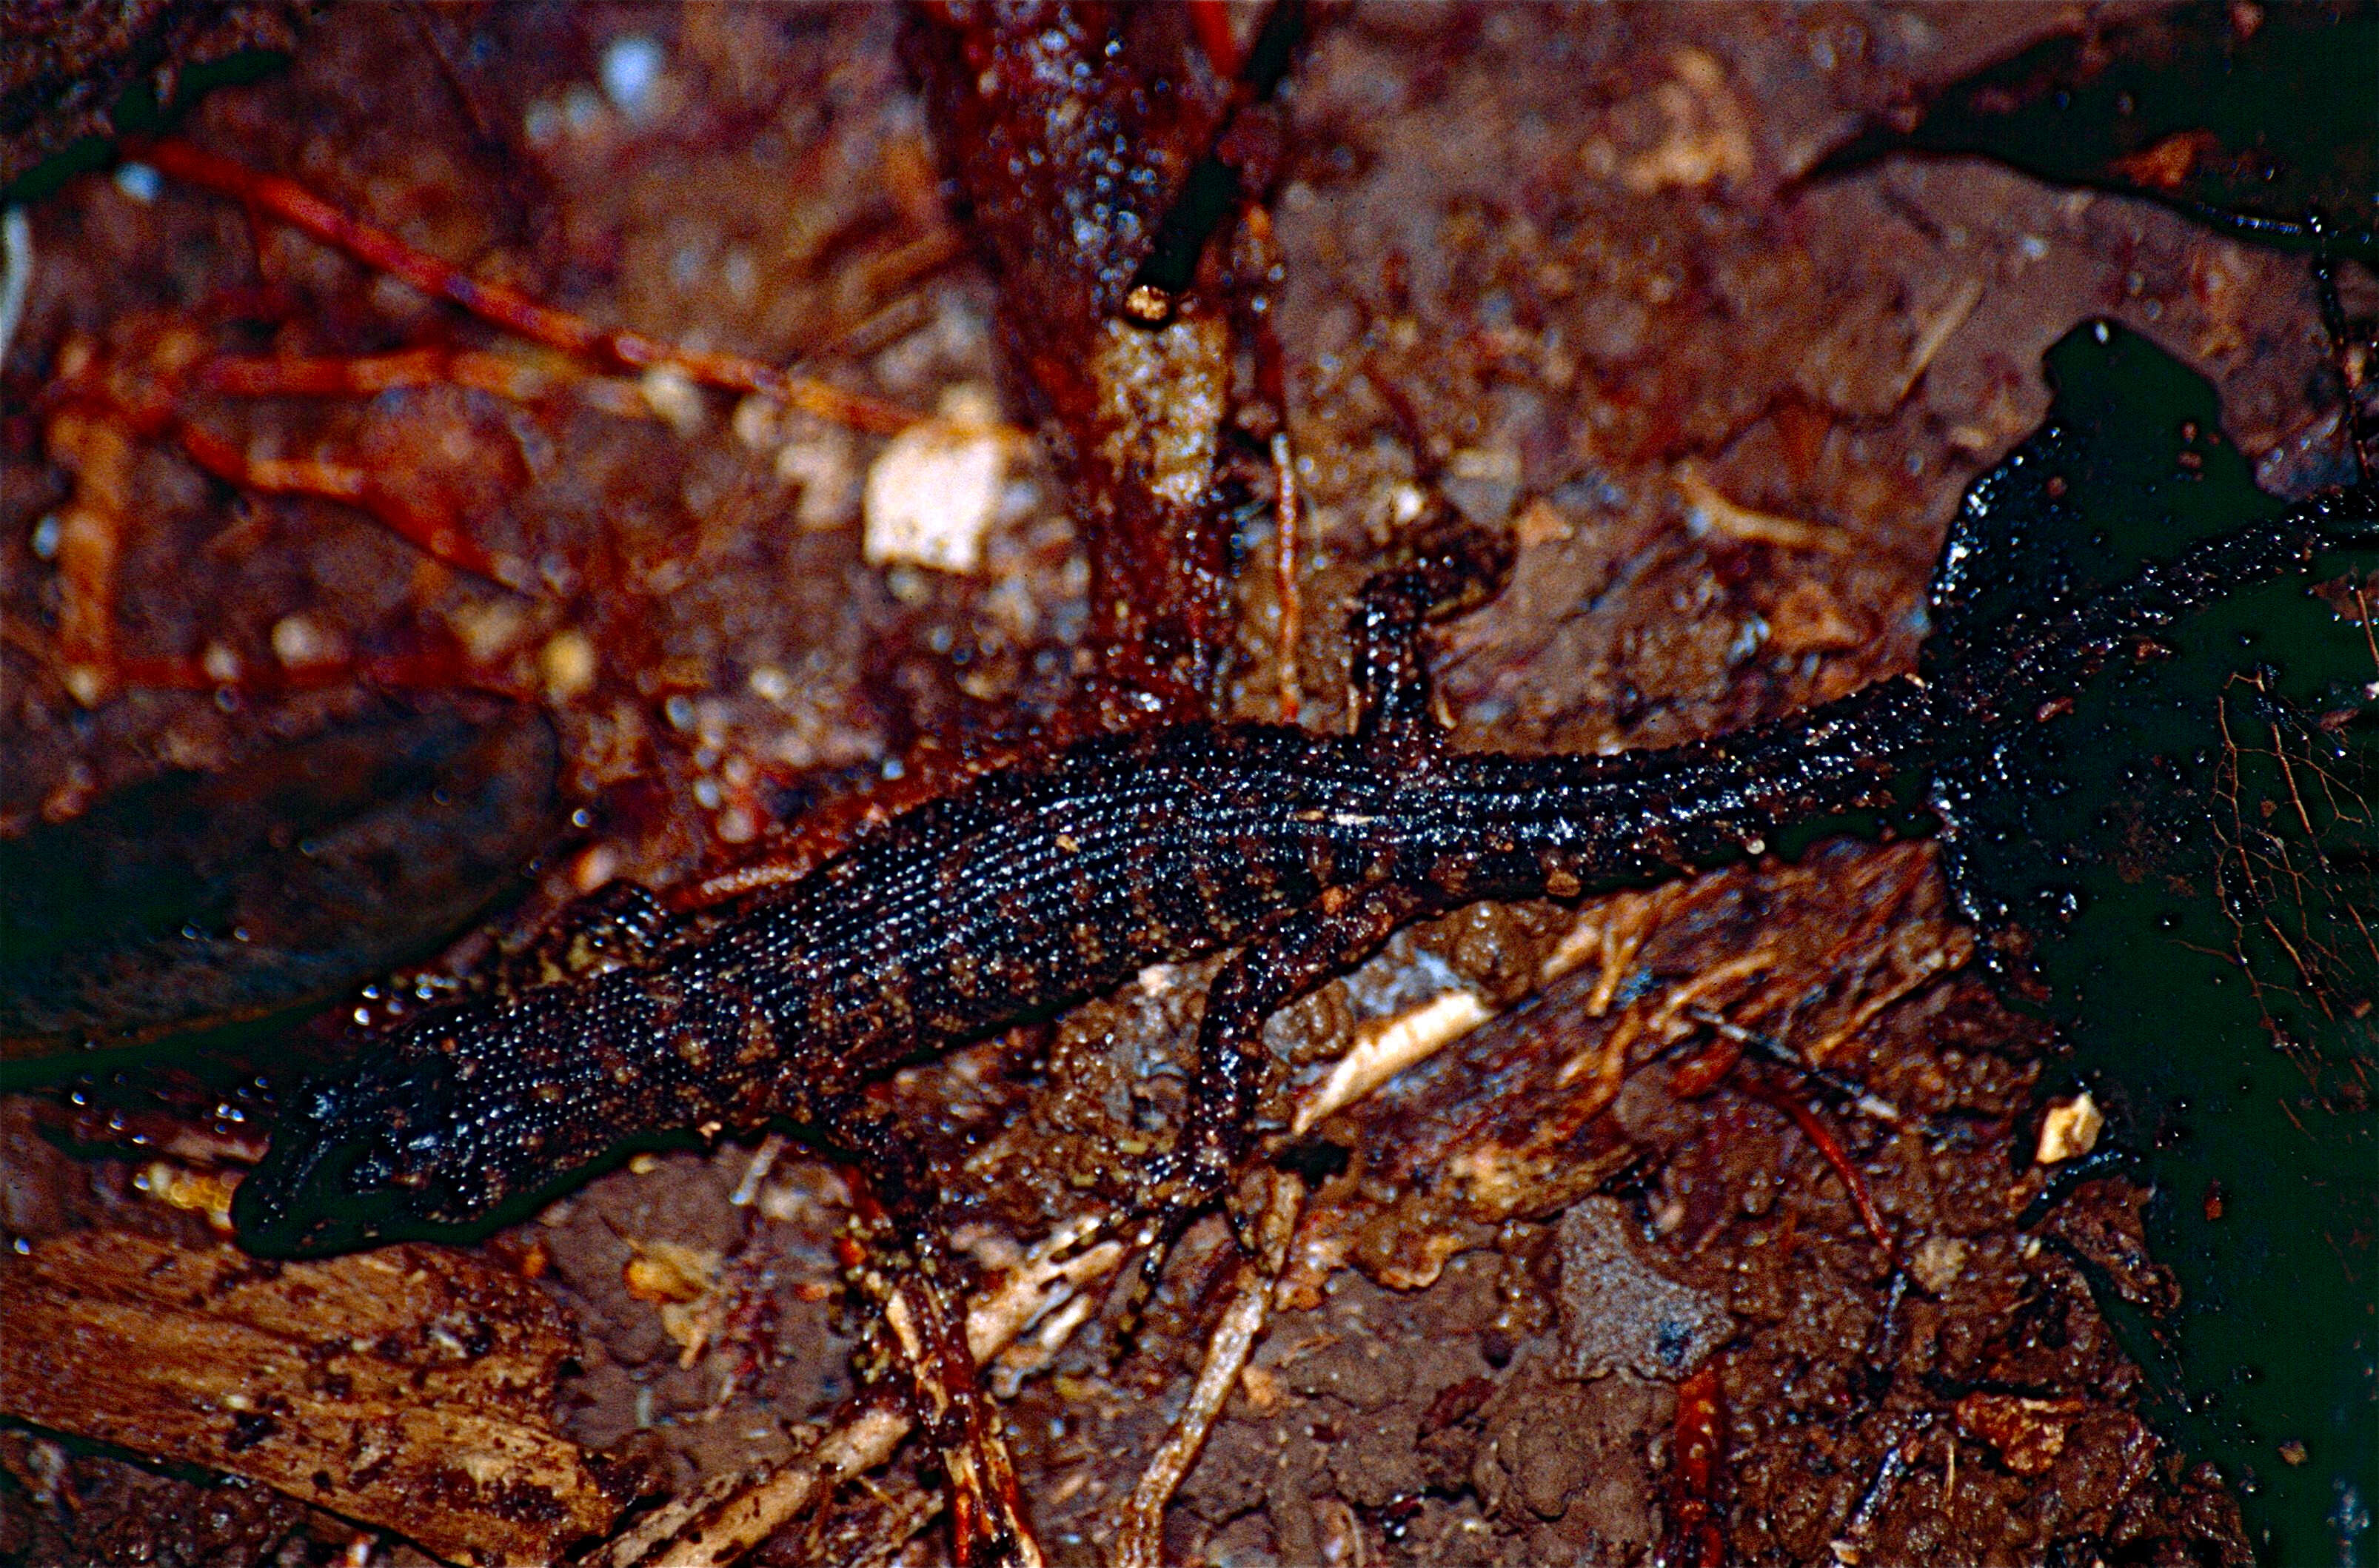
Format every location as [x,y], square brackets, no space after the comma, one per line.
[1559,269]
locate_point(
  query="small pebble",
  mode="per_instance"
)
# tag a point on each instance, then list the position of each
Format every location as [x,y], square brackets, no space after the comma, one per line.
[581,110]
[674,398]
[139,182]
[632,66]
[542,122]
[297,641]
[1938,1262]
[756,423]
[567,664]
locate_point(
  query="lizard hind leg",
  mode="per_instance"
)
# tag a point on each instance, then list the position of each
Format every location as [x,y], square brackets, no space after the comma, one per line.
[1453,567]
[1346,927]
[901,1262]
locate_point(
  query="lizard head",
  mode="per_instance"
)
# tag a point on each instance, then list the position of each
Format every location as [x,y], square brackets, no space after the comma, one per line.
[464,1110]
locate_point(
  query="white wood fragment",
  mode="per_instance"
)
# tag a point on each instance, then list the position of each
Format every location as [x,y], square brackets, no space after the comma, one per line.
[1385,1050]
[2069,1130]
[932,492]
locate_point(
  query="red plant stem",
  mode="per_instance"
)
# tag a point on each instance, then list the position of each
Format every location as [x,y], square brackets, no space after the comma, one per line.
[501,306]
[1211,20]
[1286,586]
[391,672]
[1704,1071]
[431,529]
[1828,1146]
[365,375]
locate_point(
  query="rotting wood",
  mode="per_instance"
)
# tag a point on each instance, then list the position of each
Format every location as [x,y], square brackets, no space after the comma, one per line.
[410,1388]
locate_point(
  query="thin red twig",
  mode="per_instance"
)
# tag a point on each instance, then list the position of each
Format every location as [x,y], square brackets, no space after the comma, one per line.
[1211,20]
[1819,1134]
[504,306]
[367,374]
[407,513]
[1285,578]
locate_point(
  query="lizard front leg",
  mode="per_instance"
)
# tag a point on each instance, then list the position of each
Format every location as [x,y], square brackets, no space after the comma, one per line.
[1454,568]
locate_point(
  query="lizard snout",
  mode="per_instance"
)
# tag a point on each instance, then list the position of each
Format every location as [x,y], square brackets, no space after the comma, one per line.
[352,1160]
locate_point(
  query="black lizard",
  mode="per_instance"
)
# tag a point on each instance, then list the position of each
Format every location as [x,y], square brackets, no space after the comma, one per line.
[1039,885]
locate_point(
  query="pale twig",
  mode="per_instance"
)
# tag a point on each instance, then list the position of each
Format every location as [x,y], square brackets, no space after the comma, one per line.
[986,1501]
[1140,1538]
[1712,509]
[16,272]
[1286,584]
[1382,1051]
[764,1160]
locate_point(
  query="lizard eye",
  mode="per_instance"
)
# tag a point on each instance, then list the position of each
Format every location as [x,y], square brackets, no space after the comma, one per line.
[364,1173]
